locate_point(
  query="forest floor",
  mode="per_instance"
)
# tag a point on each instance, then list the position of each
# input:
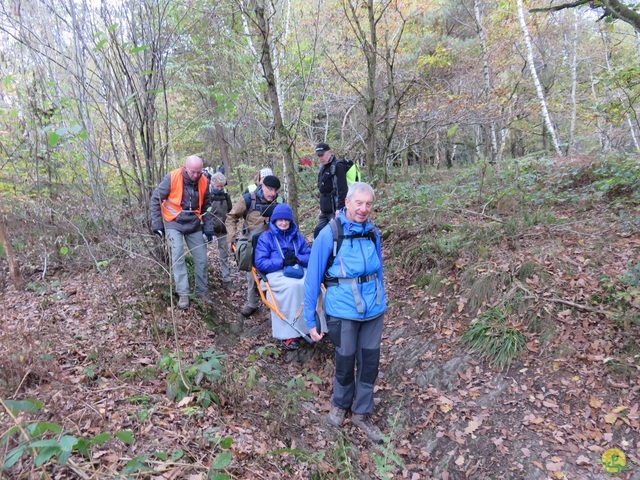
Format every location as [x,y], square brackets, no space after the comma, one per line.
[100,351]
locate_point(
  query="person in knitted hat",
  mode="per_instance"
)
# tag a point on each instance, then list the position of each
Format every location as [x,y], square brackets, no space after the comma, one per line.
[250,213]
[282,254]
[257,180]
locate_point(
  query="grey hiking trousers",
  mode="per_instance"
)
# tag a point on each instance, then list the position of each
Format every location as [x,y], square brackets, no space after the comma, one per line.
[357,358]
[198,250]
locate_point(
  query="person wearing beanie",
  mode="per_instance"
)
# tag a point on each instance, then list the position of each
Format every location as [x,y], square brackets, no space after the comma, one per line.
[220,206]
[257,179]
[253,210]
[332,185]
[281,252]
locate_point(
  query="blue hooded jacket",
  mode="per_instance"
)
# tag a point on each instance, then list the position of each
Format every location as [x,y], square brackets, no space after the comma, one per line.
[359,257]
[274,244]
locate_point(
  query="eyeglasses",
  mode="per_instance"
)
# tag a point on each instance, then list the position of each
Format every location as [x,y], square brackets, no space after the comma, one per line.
[193,172]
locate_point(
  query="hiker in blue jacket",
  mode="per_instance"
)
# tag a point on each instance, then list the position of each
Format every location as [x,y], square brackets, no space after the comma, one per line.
[354,305]
[282,254]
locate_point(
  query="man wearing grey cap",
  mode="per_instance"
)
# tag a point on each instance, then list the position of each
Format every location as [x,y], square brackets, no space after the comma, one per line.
[332,184]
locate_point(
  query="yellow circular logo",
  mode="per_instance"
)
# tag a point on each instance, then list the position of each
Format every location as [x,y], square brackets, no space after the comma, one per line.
[614,461]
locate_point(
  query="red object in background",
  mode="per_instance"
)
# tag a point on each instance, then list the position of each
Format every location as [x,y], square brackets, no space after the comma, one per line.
[306,162]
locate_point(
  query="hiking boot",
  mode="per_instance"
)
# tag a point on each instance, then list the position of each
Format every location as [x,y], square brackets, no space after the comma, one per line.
[363,422]
[183,302]
[206,300]
[335,417]
[237,326]
[247,311]
[290,343]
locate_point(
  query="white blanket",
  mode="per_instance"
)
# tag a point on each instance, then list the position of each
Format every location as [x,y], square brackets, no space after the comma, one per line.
[289,296]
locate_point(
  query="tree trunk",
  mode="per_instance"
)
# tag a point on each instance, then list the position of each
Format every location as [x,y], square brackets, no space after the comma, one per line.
[487,76]
[626,105]
[536,80]
[222,143]
[14,268]
[436,159]
[282,134]
[574,82]
[405,160]
[371,55]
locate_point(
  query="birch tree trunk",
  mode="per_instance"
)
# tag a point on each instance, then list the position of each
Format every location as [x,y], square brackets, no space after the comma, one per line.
[536,80]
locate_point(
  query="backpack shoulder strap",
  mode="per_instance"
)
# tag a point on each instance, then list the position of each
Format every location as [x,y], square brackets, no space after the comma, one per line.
[334,182]
[250,202]
[338,237]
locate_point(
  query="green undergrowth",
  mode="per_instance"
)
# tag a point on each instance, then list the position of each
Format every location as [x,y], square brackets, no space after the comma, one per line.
[453,237]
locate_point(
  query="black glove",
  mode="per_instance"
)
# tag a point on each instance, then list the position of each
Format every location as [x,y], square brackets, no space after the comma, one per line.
[290,259]
[159,232]
[209,236]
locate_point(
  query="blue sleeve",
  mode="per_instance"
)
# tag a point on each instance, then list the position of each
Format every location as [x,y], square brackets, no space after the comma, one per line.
[266,258]
[303,250]
[320,252]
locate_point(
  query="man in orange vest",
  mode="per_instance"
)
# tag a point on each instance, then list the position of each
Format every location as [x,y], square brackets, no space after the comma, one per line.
[178,207]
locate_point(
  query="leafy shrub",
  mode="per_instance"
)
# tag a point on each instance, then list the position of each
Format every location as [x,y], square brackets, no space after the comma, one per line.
[46,440]
[185,379]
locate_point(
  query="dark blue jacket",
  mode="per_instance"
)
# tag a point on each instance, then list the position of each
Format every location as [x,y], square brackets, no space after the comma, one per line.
[274,244]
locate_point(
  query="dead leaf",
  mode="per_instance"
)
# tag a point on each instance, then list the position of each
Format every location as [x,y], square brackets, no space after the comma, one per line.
[185,401]
[555,466]
[472,427]
[610,418]
[538,464]
[582,460]
[460,460]
[595,402]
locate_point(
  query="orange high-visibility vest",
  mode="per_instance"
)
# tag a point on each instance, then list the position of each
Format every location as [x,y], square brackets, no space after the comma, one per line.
[172,206]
